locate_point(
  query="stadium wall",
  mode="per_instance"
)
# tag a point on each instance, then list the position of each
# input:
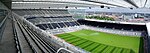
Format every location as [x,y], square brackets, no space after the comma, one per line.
[148,28]
[148,38]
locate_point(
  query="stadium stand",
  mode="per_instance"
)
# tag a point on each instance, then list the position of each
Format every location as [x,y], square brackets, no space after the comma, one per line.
[127,27]
[79,26]
[114,31]
[41,12]
[58,19]
[63,22]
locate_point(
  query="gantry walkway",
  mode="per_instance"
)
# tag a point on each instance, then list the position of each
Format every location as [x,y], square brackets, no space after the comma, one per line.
[7,44]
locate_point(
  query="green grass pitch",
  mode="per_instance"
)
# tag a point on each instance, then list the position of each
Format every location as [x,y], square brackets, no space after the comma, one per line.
[100,42]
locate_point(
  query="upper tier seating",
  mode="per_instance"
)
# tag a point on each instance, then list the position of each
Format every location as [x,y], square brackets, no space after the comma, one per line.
[57,25]
[41,20]
[48,18]
[36,12]
[114,25]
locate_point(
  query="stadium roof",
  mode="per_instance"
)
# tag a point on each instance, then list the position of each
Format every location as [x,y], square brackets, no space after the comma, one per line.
[83,3]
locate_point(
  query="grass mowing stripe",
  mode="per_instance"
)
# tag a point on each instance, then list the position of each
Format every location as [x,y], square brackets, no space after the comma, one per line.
[59,35]
[88,45]
[65,36]
[99,48]
[106,49]
[125,51]
[119,50]
[79,42]
[85,44]
[74,40]
[70,38]
[129,51]
[110,49]
[62,35]
[95,47]
[91,46]
[85,41]
[115,50]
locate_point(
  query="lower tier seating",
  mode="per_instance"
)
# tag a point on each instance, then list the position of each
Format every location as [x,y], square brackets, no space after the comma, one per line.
[56,25]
